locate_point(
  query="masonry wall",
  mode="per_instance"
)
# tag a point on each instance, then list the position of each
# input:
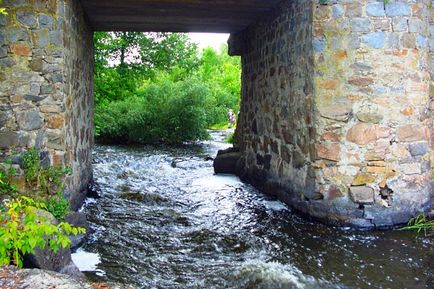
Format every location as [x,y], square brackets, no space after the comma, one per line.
[276,125]
[46,84]
[336,120]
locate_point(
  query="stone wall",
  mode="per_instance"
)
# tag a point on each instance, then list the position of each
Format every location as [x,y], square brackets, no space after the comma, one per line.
[336,116]
[46,84]
[277,126]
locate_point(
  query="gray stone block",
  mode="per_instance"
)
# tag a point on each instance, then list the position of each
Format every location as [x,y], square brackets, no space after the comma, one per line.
[360,25]
[398,9]
[28,19]
[374,39]
[30,120]
[418,149]
[375,9]
[362,195]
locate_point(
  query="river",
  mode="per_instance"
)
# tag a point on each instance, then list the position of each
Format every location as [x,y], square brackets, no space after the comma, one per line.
[164,220]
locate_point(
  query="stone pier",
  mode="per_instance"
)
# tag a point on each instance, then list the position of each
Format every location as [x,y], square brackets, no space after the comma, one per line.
[336,117]
[46,88]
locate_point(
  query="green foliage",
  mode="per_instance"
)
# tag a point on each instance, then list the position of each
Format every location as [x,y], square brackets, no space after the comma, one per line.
[23,228]
[3,11]
[154,87]
[44,181]
[420,224]
[230,138]
[57,205]
[165,112]
[7,189]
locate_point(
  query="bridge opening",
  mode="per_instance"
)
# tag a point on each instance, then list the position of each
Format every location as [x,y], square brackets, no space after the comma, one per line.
[159,88]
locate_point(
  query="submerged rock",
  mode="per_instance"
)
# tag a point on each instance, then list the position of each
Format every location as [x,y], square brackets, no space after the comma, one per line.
[226,161]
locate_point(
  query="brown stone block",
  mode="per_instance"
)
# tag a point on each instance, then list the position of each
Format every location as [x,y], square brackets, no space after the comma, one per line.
[378,170]
[411,132]
[407,111]
[334,193]
[322,12]
[330,84]
[21,49]
[330,136]
[328,151]
[337,111]
[56,121]
[340,55]
[400,52]
[363,133]
[361,81]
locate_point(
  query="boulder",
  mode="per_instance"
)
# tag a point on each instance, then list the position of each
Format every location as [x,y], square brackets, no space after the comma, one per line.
[77,219]
[46,259]
[226,161]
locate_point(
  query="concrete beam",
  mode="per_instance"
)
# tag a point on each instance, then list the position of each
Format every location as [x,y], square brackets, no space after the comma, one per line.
[176,15]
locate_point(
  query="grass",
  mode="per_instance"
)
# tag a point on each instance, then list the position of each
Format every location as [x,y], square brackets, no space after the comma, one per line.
[219,126]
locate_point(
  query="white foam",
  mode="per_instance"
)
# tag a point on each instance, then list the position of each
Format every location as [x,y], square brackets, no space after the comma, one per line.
[86,261]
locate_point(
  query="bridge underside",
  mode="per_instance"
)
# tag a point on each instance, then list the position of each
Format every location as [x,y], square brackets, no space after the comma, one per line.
[176,16]
[336,112]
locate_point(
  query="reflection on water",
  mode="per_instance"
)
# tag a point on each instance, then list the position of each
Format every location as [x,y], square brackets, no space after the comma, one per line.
[165,225]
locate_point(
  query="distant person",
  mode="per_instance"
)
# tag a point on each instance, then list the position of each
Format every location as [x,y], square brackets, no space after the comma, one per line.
[232,119]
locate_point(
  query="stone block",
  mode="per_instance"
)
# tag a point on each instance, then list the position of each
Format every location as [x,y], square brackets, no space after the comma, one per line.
[362,179]
[56,38]
[362,195]
[375,9]
[319,44]
[46,21]
[369,117]
[338,111]
[18,34]
[418,149]
[30,120]
[398,9]
[400,24]
[8,139]
[421,41]
[363,133]
[360,25]
[41,38]
[337,11]
[21,49]
[411,169]
[56,121]
[410,133]
[408,40]
[353,10]
[328,151]
[28,19]
[374,39]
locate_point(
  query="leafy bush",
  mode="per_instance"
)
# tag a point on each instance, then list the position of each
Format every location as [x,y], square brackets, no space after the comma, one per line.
[164,112]
[43,184]
[22,229]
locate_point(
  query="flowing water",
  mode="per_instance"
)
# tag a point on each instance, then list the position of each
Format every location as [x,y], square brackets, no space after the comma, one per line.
[164,220]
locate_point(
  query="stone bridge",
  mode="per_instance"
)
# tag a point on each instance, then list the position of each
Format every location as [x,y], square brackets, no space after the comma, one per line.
[336,114]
